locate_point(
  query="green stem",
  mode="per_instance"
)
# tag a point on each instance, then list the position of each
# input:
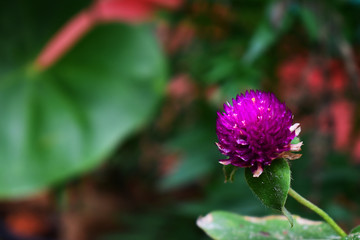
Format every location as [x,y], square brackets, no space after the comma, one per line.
[317,210]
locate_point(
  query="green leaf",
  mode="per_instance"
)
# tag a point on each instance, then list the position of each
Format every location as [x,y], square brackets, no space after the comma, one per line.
[65,121]
[355,229]
[295,140]
[272,186]
[229,172]
[310,22]
[228,226]
[263,38]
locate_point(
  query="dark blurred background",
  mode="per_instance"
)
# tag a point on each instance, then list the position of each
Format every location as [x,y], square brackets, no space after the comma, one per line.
[116,138]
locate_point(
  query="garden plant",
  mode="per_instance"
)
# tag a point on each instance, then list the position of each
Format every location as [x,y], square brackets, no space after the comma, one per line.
[256,132]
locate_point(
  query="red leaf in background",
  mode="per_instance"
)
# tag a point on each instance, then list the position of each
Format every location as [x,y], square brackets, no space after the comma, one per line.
[338,78]
[65,39]
[172,4]
[302,75]
[291,75]
[129,11]
[181,87]
[342,113]
[315,80]
[175,38]
[27,223]
[132,11]
[291,70]
[122,10]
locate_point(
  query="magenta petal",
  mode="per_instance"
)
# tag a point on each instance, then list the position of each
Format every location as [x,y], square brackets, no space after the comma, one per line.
[254,129]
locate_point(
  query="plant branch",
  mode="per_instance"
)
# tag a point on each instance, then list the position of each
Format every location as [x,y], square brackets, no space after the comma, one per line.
[65,39]
[317,210]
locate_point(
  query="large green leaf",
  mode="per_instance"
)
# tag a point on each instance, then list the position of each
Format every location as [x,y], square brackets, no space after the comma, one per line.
[66,120]
[228,226]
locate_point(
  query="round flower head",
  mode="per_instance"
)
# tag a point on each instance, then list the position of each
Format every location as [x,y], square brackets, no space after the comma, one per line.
[256,129]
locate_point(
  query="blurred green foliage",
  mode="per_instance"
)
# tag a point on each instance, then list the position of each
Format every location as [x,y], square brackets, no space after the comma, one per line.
[106,102]
[65,120]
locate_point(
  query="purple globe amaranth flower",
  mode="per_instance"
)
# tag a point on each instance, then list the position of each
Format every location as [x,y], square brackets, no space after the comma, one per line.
[256,129]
